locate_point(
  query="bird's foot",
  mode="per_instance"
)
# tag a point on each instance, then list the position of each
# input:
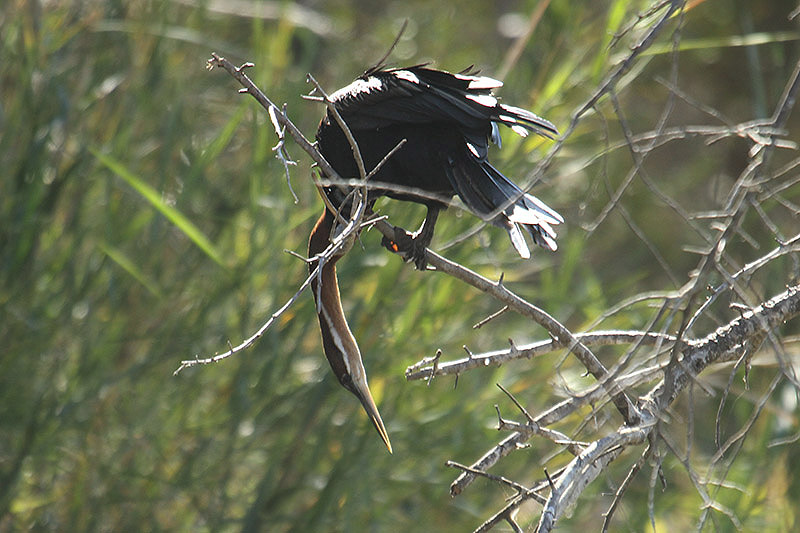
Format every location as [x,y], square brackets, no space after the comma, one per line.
[409,246]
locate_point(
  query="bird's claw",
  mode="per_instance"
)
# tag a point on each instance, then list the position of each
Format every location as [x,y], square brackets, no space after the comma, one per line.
[407,245]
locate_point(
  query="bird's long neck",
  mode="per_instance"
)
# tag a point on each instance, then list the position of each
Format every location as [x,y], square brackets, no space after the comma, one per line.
[338,342]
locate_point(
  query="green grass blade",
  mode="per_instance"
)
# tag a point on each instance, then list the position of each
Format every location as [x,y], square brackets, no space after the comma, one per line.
[191,231]
[217,145]
[119,257]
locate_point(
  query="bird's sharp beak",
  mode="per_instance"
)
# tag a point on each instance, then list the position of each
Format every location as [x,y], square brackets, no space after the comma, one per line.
[361,390]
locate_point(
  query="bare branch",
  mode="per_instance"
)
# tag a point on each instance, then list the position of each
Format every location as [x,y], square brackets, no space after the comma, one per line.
[421,370]
[668,348]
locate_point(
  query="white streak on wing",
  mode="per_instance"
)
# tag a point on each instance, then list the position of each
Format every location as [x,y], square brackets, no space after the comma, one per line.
[406,75]
[518,241]
[473,149]
[525,216]
[480,83]
[360,86]
[522,112]
[555,218]
[527,116]
[551,243]
[535,217]
[495,135]
[484,99]
[519,130]
[547,230]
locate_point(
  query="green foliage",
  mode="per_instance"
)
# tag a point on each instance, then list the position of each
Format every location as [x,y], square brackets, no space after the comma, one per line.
[183,224]
[144,218]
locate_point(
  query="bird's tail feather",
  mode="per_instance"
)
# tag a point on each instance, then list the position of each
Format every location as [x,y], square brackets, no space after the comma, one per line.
[522,121]
[496,199]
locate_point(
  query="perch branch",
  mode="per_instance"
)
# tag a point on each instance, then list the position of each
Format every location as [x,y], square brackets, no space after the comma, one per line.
[439,263]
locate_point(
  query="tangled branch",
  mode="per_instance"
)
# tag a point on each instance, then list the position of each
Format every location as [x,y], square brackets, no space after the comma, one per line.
[665,357]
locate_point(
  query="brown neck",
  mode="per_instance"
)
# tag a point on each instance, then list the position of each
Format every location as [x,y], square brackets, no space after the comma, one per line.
[337,339]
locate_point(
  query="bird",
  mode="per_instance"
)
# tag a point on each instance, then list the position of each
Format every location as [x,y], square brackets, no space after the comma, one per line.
[440,125]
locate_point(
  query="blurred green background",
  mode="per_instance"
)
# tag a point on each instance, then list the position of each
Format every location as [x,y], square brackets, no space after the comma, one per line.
[144,218]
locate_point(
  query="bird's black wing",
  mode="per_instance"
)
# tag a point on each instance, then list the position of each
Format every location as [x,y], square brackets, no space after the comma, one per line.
[420,95]
[496,199]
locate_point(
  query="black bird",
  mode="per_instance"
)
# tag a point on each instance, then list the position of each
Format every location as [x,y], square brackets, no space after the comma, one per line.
[447,121]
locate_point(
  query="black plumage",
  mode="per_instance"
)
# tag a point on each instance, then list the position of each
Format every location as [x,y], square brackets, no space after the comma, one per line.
[447,121]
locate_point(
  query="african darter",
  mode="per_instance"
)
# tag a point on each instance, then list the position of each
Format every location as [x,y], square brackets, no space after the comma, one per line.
[446,122]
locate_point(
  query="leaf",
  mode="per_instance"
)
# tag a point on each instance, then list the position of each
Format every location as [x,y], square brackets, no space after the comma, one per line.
[147,192]
[119,257]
